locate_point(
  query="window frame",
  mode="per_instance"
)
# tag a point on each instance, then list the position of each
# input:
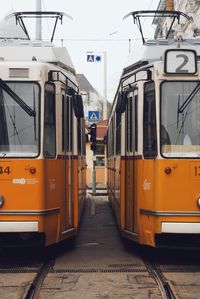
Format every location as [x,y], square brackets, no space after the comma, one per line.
[160,144]
[50,156]
[151,126]
[39,121]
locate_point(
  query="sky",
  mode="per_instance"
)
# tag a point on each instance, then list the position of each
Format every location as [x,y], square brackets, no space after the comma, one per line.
[97,28]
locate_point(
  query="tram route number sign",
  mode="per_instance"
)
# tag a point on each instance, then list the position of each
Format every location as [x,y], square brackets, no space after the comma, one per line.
[180,61]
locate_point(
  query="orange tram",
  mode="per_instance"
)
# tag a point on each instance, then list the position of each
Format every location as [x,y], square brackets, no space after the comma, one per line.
[42,146]
[154,145]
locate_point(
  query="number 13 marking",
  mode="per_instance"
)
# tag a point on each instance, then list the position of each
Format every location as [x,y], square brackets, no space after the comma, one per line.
[197,170]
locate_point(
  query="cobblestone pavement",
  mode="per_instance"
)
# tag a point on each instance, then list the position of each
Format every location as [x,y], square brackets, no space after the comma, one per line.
[186,285]
[13,286]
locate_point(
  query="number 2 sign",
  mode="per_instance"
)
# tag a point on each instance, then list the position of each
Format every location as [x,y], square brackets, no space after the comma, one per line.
[179,61]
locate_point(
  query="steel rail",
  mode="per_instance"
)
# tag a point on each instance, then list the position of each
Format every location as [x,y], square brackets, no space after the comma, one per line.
[163,284]
[33,290]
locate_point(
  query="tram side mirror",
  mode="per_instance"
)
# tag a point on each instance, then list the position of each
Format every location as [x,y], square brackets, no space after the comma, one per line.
[124,99]
[149,75]
[118,105]
[70,91]
[121,102]
[78,106]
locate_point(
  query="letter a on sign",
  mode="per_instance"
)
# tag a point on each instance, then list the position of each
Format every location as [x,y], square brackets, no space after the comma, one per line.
[90,58]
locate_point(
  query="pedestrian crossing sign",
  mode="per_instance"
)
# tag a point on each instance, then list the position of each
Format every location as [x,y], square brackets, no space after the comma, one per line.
[93,116]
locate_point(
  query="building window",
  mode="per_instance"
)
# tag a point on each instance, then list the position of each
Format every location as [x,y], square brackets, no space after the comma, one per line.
[99,149]
[100,161]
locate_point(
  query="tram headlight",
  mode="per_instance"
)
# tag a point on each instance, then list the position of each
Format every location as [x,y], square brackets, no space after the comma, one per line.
[2,200]
[198,202]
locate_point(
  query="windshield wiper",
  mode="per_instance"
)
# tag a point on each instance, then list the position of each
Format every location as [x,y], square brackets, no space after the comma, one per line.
[17,99]
[189,99]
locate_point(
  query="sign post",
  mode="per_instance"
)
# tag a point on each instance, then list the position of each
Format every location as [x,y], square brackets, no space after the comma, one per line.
[105,87]
[93,136]
[97,58]
[94,175]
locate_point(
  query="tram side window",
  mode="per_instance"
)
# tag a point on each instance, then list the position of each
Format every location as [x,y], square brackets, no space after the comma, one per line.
[118,133]
[63,123]
[149,121]
[83,138]
[49,122]
[79,137]
[111,138]
[136,123]
[129,125]
[71,127]
[108,144]
[67,124]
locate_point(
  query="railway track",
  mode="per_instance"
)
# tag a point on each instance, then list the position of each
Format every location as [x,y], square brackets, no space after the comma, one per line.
[116,275]
[176,273]
[33,289]
[166,289]
[22,272]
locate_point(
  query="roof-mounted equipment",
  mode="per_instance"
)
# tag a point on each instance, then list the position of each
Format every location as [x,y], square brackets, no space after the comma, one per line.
[174,15]
[20,16]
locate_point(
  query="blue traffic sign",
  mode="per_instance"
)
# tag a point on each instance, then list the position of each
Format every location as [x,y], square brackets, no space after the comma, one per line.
[90,58]
[93,116]
[93,58]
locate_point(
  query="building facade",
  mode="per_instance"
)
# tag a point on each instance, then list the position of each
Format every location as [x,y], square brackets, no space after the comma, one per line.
[186,28]
[98,158]
[93,101]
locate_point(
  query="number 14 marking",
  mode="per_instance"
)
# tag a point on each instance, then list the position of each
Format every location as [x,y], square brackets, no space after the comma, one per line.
[5,170]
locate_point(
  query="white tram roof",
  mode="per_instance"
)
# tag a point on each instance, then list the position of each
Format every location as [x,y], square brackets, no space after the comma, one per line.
[26,50]
[153,50]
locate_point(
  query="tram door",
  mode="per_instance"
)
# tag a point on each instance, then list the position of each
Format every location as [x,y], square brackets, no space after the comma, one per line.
[67,124]
[130,161]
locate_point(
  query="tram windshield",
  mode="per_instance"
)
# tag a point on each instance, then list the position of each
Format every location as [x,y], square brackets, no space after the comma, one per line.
[19,119]
[180,119]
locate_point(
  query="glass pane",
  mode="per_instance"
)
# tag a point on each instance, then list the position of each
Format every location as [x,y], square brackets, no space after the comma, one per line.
[149,129]
[180,119]
[19,131]
[49,122]
[100,161]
